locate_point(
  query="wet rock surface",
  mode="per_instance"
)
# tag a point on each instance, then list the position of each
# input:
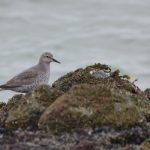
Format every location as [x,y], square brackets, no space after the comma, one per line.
[105,138]
[88,109]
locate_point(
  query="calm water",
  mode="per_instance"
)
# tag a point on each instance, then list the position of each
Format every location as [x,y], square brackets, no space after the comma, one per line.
[78,33]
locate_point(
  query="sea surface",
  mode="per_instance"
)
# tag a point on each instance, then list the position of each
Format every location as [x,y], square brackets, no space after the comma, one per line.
[78,33]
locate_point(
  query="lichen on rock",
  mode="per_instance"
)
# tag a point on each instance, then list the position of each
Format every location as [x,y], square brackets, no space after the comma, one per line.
[93,75]
[80,76]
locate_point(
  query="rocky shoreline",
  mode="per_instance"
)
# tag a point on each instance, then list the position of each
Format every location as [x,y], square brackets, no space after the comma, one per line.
[89,109]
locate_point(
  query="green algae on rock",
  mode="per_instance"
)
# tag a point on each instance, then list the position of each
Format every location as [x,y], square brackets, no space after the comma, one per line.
[27,111]
[91,106]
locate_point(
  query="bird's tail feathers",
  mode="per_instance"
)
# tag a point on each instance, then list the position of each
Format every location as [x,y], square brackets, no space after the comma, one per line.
[1,87]
[7,87]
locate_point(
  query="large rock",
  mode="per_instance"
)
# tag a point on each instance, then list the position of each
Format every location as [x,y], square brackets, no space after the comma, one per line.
[94,97]
[27,111]
[91,106]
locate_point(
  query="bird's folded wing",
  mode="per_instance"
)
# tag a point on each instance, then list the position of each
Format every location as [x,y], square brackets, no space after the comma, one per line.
[24,78]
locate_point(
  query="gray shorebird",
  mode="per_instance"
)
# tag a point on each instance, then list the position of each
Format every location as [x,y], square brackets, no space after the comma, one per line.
[32,77]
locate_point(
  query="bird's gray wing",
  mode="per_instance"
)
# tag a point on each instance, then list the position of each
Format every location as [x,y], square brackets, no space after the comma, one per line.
[24,78]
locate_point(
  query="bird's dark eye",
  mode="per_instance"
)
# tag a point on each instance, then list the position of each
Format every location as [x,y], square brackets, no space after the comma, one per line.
[47,56]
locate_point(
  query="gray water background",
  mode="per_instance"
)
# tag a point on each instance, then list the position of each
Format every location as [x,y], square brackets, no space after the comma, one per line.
[78,33]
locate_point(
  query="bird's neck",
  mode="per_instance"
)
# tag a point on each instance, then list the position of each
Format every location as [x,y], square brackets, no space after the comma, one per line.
[45,66]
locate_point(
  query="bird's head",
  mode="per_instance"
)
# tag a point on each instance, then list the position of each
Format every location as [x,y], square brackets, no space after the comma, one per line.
[47,58]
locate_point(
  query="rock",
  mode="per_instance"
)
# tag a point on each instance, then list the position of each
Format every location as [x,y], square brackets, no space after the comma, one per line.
[2,104]
[91,106]
[26,112]
[97,109]
[147,93]
[96,74]
[6,107]
[79,76]
[145,145]
[105,139]
[85,145]
[99,74]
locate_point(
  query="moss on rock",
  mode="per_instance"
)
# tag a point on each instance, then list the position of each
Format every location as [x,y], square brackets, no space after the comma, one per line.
[91,106]
[28,110]
[6,107]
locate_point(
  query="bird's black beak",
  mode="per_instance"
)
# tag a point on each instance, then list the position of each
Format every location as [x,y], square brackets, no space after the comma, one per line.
[56,61]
